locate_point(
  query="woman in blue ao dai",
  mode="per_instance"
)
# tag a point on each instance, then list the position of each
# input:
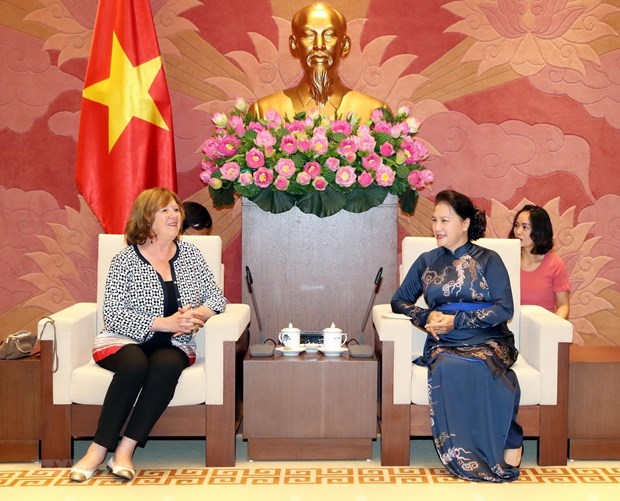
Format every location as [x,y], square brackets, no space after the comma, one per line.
[473,393]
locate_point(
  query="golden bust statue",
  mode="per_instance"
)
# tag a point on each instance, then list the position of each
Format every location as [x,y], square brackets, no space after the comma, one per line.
[319,40]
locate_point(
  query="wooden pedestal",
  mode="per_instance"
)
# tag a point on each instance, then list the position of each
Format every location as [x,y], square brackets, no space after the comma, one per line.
[593,405]
[20,410]
[309,407]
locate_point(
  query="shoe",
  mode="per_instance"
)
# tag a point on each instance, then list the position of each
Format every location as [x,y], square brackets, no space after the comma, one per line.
[124,472]
[520,459]
[82,474]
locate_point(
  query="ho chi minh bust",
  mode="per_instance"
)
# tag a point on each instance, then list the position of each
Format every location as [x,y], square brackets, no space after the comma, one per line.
[319,40]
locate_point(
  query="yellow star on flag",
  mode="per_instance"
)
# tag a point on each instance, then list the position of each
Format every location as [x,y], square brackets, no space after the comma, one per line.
[126,93]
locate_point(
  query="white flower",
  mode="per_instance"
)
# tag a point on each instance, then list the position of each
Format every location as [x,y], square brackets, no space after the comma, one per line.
[241,105]
[219,119]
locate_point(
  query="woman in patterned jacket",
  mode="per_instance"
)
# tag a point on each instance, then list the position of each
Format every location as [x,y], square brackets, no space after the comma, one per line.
[159,292]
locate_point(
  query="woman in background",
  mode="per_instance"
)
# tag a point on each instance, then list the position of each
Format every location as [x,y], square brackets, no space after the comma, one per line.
[544,280]
[197,219]
[473,393]
[159,291]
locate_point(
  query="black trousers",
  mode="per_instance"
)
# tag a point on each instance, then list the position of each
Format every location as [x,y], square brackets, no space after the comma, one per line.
[150,370]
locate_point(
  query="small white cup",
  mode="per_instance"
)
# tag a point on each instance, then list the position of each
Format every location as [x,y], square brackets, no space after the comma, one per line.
[333,338]
[290,337]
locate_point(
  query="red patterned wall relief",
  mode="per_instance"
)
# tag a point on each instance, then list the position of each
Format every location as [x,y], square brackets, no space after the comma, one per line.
[518,102]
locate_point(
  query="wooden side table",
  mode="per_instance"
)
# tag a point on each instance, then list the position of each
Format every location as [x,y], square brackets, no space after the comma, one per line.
[309,407]
[20,410]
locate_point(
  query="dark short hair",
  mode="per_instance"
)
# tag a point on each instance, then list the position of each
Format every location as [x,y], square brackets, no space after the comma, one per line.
[465,208]
[139,226]
[196,216]
[542,229]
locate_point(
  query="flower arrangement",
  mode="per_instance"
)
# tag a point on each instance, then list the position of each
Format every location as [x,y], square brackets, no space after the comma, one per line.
[318,164]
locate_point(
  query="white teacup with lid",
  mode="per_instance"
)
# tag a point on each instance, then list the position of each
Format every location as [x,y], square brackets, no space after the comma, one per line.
[333,338]
[290,337]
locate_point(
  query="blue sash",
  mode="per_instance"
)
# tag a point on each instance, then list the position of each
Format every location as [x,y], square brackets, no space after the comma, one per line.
[462,307]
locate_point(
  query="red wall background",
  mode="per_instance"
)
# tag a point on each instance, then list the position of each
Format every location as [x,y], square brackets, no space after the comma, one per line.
[519,101]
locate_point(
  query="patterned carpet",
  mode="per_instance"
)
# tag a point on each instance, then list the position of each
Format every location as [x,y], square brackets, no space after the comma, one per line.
[265,475]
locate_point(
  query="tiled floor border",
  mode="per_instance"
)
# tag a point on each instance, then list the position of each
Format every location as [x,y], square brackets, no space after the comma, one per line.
[299,476]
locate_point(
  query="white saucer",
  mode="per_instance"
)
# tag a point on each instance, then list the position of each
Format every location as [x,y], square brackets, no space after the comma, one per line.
[311,347]
[290,352]
[332,353]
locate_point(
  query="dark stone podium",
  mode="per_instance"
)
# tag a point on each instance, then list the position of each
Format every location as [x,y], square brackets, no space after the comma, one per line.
[313,271]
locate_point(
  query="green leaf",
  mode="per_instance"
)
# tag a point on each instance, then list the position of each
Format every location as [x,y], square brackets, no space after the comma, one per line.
[408,201]
[274,201]
[224,196]
[248,191]
[362,199]
[322,203]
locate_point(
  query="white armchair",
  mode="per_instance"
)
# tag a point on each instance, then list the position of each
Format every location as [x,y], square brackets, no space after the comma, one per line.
[542,367]
[206,402]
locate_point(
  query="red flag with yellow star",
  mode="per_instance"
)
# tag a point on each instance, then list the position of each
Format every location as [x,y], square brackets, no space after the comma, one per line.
[125,144]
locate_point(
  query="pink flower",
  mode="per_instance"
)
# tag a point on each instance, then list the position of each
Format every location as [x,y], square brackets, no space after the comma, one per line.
[372,161]
[319,183]
[303,178]
[205,176]
[264,138]
[382,126]
[397,130]
[376,115]
[319,144]
[385,176]
[255,158]
[230,171]
[403,112]
[386,149]
[207,164]
[288,144]
[350,157]
[304,144]
[257,126]
[285,167]
[227,145]
[415,151]
[281,183]
[420,178]
[245,179]
[345,176]
[347,145]
[209,148]
[236,122]
[295,126]
[263,177]
[364,179]
[342,126]
[274,120]
[366,142]
[313,169]
[332,164]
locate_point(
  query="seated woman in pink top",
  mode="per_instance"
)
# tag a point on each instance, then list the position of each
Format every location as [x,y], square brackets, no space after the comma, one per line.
[544,280]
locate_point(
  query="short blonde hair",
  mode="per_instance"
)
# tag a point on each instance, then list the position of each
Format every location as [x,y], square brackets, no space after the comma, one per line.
[139,226]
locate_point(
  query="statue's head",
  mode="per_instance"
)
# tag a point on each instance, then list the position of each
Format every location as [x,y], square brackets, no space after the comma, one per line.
[319,40]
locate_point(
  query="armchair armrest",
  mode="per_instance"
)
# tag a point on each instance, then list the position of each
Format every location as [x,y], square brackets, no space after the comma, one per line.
[225,327]
[75,331]
[400,332]
[541,333]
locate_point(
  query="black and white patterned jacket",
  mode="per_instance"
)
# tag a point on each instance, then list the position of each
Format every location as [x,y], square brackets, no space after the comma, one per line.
[134,293]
